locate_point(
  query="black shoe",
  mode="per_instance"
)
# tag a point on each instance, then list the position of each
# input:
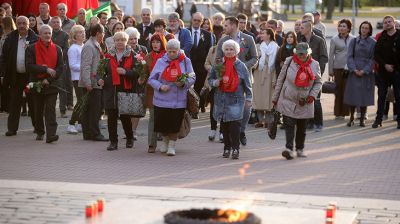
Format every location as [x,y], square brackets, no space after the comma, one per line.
[129,143]
[376,124]
[203,110]
[100,138]
[24,114]
[350,123]
[39,138]
[243,139]
[52,139]
[235,154]
[227,152]
[113,146]
[195,116]
[11,133]
[362,123]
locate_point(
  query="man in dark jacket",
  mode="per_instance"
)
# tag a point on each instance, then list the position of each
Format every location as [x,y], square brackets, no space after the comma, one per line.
[201,44]
[182,34]
[320,54]
[15,76]
[145,28]
[44,63]
[60,38]
[387,56]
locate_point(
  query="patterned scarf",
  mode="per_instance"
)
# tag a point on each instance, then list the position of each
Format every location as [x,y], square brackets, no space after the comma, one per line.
[304,74]
[173,70]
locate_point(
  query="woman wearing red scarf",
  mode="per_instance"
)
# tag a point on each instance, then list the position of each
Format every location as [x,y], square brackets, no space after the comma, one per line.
[44,63]
[297,87]
[119,77]
[157,46]
[170,94]
[233,90]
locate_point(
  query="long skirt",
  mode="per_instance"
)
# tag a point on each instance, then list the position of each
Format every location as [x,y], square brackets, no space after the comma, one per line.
[167,120]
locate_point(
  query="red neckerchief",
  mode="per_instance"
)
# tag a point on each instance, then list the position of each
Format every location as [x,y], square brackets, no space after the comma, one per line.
[128,62]
[45,56]
[155,56]
[173,70]
[304,74]
[230,80]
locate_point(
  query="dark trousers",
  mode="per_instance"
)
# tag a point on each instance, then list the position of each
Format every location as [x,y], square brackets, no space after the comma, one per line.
[66,93]
[113,125]
[384,82]
[78,93]
[90,117]
[45,105]
[290,124]
[198,85]
[16,96]
[318,116]
[4,97]
[231,132]
[387,107]
[213,122]
[340,109]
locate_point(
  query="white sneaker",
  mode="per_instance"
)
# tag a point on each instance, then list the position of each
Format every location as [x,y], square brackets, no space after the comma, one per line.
[221,137]
[164,145]
[71,129]
[366,116]
[78,127]
[211,136]
[171,148]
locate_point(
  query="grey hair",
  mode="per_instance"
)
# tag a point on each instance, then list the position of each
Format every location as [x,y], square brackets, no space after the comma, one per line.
[132,31]
[173,16]
[147,9]
[174,44]
[62,4]
[219,14]
[22,17]
[231,43]
[121,35]
[45,27]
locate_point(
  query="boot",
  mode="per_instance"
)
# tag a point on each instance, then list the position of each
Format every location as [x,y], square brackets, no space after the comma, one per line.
[129,143]
[171,148]
[377,123]
[362,122]
[164,144]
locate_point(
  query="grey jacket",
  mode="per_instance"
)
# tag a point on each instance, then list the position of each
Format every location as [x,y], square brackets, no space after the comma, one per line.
[90,58]
[248,52]
[338,52]
[229,106]
[288,95]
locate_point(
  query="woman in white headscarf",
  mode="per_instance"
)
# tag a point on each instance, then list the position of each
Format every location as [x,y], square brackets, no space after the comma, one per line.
[264,76]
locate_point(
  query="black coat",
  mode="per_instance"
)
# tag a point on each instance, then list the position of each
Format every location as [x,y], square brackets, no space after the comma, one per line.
[110,91]
[142,40]
[8,60]
[33,69]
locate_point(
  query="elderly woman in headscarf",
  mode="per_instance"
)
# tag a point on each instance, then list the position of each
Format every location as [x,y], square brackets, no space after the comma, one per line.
[233,90]
[120,77]
[171,78]
[296,89]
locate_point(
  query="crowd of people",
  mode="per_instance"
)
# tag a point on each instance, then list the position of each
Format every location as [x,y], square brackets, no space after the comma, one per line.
[236,67]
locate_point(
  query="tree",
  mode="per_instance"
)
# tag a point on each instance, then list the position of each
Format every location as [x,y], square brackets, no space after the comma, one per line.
[193,9]
[330,9]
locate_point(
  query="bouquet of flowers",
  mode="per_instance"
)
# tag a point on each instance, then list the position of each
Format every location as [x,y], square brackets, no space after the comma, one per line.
[139,65]
[81,105]
[182,77]
[220,70]
[37,86]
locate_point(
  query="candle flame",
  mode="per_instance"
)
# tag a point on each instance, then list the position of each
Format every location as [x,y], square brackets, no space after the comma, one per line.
[231,215]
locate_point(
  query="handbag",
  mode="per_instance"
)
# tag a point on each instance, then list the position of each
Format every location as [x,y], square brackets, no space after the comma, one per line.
[131,104]
[185,126]
[329,87]
[273,126]
[193,100]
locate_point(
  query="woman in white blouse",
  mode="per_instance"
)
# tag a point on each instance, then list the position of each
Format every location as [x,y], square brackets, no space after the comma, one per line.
[77,37]
[264,76]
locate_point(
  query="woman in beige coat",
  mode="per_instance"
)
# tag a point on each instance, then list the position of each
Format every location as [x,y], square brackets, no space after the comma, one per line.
[265,77]
[297,87]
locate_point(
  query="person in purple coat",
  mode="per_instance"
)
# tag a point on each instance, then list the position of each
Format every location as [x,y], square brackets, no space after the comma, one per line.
[170,93]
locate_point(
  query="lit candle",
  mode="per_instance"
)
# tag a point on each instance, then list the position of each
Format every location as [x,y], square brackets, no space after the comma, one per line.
[100,205]
[89,210]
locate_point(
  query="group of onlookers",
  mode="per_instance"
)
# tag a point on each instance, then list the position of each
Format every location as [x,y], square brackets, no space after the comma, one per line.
[234,67]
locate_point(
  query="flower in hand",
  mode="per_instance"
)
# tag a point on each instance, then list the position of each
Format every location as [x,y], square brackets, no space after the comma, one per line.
[274,102]
[164,88]
[310,99]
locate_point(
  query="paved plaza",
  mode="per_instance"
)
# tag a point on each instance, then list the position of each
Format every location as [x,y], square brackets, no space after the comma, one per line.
[357,167]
